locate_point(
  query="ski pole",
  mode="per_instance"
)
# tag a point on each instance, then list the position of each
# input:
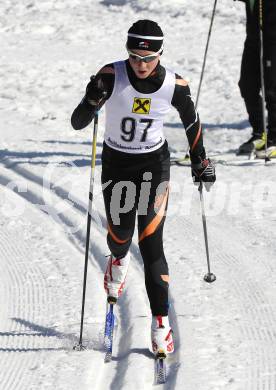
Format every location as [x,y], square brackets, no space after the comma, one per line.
[209,277]
[262,73]
[203,65]
[80,346]
[206,51]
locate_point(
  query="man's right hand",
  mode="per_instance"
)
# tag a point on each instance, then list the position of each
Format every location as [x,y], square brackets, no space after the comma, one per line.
[204,172]
[95,91]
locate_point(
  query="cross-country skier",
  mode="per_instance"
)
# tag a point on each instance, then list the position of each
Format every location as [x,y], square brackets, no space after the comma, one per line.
[250,78]
[138,93]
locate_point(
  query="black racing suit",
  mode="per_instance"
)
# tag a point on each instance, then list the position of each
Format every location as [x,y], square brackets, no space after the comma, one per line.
[250,80]
[148,175]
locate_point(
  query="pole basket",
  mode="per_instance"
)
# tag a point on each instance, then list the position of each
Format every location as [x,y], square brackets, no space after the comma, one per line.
[79,347]
[210,278]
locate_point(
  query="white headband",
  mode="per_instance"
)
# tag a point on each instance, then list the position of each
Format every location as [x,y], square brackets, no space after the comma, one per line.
[146,37]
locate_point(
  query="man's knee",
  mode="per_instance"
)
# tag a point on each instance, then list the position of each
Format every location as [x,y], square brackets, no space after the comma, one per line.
[119,241]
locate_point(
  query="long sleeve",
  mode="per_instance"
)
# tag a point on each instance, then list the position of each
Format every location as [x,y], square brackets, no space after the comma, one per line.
[84,113]
[184,104]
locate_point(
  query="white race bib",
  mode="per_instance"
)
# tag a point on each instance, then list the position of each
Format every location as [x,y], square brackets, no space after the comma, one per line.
[134,121]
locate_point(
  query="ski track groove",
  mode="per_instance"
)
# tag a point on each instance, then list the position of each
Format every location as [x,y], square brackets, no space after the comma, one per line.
[126,332]
[9,379]
[22,301]
[255,334]
[124,308]
[256,330]
[259,320]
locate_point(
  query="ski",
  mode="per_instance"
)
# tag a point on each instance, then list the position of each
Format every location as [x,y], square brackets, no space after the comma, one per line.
[180,161]
[226,159]
[160,368]
[234,160]
[109,329]
[160,371]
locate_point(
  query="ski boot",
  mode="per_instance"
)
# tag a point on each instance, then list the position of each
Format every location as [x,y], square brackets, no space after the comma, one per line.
[271,150]
[161,337]
[255,143]
[114,278]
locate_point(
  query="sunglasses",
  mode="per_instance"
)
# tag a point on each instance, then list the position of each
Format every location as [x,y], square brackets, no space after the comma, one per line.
[149,58]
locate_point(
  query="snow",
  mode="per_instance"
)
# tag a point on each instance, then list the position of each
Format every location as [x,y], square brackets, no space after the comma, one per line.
[224,332]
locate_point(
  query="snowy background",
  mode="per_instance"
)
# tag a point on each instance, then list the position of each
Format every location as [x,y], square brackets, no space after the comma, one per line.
[224,332]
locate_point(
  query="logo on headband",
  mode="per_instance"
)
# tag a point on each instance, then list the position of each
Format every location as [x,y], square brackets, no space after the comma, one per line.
[144,44]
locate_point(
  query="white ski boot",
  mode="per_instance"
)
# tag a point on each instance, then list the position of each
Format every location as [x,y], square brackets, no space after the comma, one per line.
[161,336]
[115,274]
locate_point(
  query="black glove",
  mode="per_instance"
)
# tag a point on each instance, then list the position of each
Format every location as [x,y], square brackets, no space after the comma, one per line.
[95,91]
[204,172]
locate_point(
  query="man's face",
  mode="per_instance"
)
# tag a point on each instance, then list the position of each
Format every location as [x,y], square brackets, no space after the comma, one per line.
[141,68]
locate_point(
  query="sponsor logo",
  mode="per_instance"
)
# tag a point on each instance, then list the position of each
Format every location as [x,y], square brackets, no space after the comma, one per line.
[141,105]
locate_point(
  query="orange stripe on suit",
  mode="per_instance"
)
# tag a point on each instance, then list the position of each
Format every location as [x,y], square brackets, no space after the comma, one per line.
[153,225]
[196,139]
[114,237]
